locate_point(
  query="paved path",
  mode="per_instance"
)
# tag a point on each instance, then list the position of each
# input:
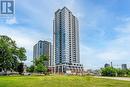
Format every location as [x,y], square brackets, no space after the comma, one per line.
[115,78]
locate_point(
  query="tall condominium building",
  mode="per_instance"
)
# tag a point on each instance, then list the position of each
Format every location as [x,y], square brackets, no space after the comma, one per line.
[43,48]
[124,66]
[66,41]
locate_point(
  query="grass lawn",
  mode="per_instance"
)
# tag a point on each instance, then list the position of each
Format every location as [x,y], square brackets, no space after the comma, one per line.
[59,81]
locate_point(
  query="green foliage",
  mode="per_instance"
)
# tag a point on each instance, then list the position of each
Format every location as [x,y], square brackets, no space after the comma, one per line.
[108,71]
[10,54]
[41,60]
[21,54]
[121,72]
[31,68]
[40,65]
[40,68]
[20,68]
[128,73]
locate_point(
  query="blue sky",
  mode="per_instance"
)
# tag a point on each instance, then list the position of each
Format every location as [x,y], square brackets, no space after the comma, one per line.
[104,28]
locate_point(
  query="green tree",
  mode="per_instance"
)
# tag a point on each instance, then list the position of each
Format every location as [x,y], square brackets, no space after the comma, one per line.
[121,72]
[21,54]
[40,68]
[108,71]
[10,54]
[41,64]
[31,68]
[41,59]
[128,72]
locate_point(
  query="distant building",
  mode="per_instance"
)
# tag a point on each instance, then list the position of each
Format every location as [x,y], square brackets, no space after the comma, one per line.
[52,61]
[111,64]
[92,72]
[107,65]
[66,42]
[124,66]
[43,48]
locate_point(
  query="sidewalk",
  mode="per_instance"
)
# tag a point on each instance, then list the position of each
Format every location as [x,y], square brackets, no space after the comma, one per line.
[115,78]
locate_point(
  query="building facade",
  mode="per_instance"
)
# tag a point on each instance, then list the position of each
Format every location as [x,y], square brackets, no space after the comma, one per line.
[43,48]
[124,66]
[66,41]
[106,65]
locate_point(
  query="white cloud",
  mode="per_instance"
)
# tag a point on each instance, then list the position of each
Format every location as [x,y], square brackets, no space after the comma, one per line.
[18,35]
[11,21]
[113,54]
[42,13]
[88,57]
[24,37]
[116,50]
[37,14]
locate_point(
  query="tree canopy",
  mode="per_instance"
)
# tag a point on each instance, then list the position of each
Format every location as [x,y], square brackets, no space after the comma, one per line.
[108,71]
[41,64]
[111,71]
[10,53]
[41,60]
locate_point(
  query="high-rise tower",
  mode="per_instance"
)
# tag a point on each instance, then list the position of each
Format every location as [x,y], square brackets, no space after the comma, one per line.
[43,48]
[66,40]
